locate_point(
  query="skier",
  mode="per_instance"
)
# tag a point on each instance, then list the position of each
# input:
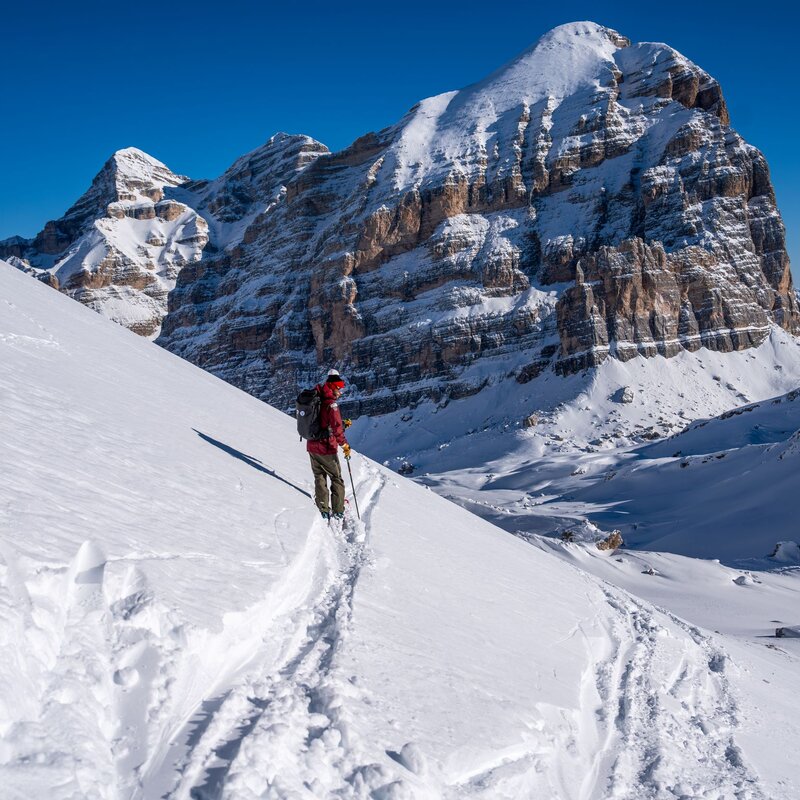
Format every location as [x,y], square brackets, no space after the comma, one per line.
[323,452]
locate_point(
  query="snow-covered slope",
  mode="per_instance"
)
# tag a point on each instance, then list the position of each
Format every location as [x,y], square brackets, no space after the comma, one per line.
[724,489]
[768,422]
[570,462]
[176,621]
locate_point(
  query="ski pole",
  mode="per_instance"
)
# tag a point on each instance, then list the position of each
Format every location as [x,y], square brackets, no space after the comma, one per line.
[355,499]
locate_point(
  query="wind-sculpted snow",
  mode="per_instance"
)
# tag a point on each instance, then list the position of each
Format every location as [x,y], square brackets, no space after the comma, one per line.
[177,621]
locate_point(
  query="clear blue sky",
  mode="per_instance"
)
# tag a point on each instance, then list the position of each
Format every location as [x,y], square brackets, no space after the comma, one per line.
[198,84]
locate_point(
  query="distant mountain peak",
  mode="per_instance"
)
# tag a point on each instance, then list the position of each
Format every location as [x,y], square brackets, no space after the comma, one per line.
[557,61]
[277,146]
[253,180]
[133,154]
[133,169]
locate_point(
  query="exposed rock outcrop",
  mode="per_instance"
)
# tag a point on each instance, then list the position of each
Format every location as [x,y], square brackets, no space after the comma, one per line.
[612,542]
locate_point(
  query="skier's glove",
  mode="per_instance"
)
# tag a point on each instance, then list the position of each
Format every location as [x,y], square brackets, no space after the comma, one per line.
[346,451]
[347,423]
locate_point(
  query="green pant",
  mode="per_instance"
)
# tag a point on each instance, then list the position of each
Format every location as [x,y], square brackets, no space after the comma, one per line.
[325,467]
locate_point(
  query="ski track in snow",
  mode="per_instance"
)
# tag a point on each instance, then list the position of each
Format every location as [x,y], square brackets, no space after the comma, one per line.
[205,714]
[657,721]
[667,715]
[258,709]
[279,727]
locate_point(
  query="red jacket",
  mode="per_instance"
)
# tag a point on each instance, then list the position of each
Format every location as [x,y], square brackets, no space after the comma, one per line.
[331,418]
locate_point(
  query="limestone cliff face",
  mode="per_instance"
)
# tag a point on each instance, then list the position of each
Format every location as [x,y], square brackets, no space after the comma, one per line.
[121,246]
[589,199]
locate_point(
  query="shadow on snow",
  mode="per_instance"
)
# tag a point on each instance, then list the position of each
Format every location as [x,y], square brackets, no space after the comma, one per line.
[249,460]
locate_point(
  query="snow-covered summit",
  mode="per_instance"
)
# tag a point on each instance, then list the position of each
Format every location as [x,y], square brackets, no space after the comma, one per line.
[565,59]
[131,165]
[250,186]
[133,160]
[463,132]
[129,177]
[259,160]
[119,247]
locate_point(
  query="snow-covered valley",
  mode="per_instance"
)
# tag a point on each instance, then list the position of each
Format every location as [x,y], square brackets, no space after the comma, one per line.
[177,622]
[659,465]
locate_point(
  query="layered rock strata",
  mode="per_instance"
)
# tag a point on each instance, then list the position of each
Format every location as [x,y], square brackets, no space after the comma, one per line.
[588,200]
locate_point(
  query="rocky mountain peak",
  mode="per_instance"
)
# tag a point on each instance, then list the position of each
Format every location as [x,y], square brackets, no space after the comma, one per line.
[129,177]
[120,246]
[135,174]
[253,180]
[298,149]
[586,201]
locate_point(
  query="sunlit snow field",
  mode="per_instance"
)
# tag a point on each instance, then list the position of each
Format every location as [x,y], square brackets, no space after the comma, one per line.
[176,621]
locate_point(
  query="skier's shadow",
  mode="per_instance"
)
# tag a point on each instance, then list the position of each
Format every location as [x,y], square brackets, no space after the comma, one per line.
[249,460]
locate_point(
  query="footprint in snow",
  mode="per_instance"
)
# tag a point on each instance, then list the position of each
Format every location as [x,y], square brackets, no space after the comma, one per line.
[134,595]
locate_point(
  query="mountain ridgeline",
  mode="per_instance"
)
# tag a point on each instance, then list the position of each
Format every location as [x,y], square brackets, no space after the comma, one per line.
[588,200]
